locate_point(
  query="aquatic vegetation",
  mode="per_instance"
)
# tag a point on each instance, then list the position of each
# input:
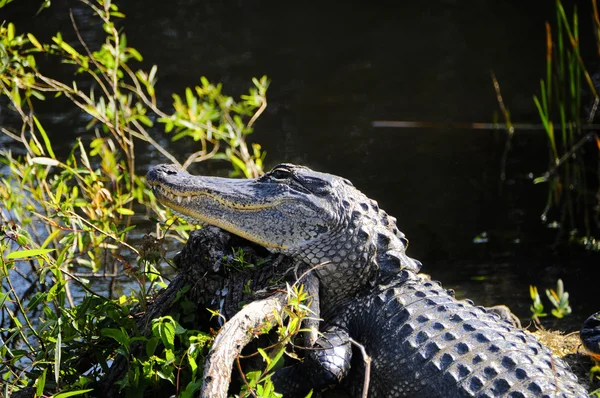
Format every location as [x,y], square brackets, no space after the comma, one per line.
[573,191]
[66,220]
[559,299]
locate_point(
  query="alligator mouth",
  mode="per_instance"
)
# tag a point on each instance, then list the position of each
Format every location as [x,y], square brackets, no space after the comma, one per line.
[178,200]
[188,205]
[166,196]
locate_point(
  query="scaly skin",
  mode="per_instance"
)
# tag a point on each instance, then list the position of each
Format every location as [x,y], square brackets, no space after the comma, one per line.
[437,346]
[424,343]
[315,217]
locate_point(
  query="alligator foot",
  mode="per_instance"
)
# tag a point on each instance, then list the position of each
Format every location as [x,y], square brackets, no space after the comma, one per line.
[590,335]
[326,364]
[506,314]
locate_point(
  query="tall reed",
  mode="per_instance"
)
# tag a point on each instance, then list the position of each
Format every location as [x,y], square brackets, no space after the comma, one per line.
[572,204]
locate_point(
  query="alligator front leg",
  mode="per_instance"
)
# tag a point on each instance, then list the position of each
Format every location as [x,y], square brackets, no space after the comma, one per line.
[326,364]
[328,353]
[311,324]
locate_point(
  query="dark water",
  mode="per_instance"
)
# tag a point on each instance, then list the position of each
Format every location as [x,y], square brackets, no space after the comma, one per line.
[336,68]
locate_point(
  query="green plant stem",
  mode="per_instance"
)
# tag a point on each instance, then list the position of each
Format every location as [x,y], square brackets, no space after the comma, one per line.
[22,310]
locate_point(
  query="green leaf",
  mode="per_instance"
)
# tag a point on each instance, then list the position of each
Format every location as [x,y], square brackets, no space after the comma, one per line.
[71,393]
[179,329]
[11,32]
[38,95]
[135,54]
[239,163]
[33,303]
[125,212]
[44,137]
[253,378]
[34,41]
[84,158]
[57,354]
[15,95]
[264,356]
[27,253]
[167,334]
[118,334]
[3,297]
[275,359]
[192,387]
[41,383]
[68,49]
[145,120]
[192,363]
[45,161]
[191,100]
[152,73]
[53,235]
[151,346]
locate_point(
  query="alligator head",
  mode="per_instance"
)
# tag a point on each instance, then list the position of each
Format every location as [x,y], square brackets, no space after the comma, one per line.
[316,217]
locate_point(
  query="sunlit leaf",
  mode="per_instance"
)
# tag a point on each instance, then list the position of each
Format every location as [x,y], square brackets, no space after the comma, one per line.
[57,354]
[34,41]
[135,54]
[71,393]
[11,32]
[44,137]
[125,212]
[275,359]
[45,161]
[38,95]
[84,157]
[68,49]
[152,74]
[27,253]
[41,383]
[192,363]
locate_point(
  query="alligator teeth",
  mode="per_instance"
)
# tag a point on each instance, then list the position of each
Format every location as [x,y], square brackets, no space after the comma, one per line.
[189,199]
[179,199]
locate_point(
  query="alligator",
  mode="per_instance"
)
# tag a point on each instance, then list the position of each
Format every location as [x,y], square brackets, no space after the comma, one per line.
[422,340]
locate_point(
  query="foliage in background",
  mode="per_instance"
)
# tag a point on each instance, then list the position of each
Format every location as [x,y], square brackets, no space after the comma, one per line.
[65,220]
[559,299]
[573,203]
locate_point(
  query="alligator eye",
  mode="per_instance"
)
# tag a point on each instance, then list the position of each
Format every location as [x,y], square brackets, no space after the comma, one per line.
[280,174]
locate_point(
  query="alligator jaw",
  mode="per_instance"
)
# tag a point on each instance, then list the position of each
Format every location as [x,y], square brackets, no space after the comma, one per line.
[236,206]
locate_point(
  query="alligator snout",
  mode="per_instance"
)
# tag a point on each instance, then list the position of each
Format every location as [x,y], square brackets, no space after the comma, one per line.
[157,173]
